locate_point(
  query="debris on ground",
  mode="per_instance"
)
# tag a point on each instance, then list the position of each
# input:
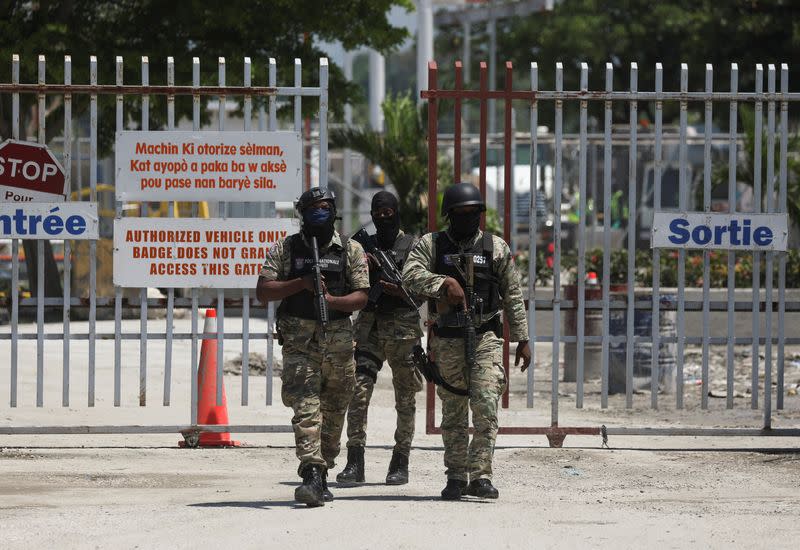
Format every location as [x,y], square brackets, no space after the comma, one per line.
[257,365]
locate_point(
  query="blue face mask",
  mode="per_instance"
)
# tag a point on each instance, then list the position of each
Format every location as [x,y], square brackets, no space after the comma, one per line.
[317,216]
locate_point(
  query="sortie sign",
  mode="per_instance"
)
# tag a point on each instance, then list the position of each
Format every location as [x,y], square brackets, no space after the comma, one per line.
[194,253]
[208,166]
[712,230]
[30,173]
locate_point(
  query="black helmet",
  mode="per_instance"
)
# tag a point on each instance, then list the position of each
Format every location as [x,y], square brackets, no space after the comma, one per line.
[461,194]
[313,195]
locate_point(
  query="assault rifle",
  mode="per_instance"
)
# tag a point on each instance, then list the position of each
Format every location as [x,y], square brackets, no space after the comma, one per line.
[389,271]
[320,304]
[466,315]
[430,371]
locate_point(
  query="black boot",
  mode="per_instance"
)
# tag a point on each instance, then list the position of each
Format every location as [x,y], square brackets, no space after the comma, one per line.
[327,496]
[398,470]
[310,492]
[454,489]
[353,471]
[482,488]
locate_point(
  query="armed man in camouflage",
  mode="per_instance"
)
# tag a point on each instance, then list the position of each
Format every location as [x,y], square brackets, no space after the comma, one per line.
[318,368]
[387,329]
[430,271]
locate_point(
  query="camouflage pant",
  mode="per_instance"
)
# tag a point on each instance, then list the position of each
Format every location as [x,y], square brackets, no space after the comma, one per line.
[463,459]
[317,384]
[374,346]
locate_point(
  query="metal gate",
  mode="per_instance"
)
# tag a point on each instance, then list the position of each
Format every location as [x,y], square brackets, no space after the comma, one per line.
[766,309]
[67,94]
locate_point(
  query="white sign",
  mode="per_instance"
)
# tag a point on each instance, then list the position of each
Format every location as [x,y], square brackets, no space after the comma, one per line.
[41,220]
[208,166]
[194,253]
[720,231]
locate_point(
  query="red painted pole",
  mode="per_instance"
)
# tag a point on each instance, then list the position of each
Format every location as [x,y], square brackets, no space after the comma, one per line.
[457,131]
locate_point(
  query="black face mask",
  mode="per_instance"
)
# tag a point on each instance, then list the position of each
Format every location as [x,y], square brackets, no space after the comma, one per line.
[387,230]
[464,226]
[316,224]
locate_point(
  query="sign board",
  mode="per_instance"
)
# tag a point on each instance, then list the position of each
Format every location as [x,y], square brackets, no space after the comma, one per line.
[40,220]
[719,231]
[194,253]
[208,166]
[30,173]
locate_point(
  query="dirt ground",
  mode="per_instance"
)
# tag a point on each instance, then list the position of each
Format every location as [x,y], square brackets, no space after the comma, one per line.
[141,491]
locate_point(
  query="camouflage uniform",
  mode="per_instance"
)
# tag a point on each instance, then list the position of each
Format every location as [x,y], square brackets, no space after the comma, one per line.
[318,377]
[467,461]
[385,336]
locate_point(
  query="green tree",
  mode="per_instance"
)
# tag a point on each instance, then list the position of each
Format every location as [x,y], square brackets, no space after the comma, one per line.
[672,32]
[402,152]
[283,29]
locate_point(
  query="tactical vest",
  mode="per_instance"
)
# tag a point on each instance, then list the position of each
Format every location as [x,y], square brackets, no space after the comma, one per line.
[398,253]
[486,284]
[333,264]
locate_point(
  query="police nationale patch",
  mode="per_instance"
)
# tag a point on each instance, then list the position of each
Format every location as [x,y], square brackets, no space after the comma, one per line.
[299,263]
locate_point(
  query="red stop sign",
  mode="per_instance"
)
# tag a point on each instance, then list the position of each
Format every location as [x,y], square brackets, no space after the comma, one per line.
[30,167]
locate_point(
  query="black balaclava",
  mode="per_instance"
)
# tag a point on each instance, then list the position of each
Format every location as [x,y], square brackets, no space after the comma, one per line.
[386,228]
[318,222]
[464,226]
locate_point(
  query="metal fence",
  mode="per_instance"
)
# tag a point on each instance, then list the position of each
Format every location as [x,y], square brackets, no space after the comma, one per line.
[68,92]
[553,308]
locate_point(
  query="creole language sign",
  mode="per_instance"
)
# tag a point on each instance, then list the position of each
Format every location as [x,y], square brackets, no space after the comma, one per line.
[194,253]
[41,220]
[766,232]
[30,173]
[208,166]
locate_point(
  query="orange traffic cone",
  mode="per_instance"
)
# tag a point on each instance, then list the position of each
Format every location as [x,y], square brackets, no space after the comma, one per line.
[207,410]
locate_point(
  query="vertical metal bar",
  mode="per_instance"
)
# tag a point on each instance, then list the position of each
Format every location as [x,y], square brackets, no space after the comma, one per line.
[631,239]
[93,243]
[298,114]
[120,125]
[143,291]
[732,124]
[193,366]
[42,139]
[67,243]
[757,171]
[248,115]
[433,113]
[223,213]
[171,208]
[706,254]
[14,250]
[508,186]
[273,125]
[606,236]
[768,282]
[323,123]
[658,162]
[782,206]
[457,124]
[533,227]
[683,192]
[484,88]
[559,107]
[582,237]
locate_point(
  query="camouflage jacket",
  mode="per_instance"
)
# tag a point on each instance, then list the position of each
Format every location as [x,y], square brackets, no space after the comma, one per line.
[419,278]
[278,265]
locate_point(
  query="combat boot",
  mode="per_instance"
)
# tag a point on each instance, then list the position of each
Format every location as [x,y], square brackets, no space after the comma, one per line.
[353,471]
[310,492]
[454,489]
[482,488]
[398,470]
[327,496]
